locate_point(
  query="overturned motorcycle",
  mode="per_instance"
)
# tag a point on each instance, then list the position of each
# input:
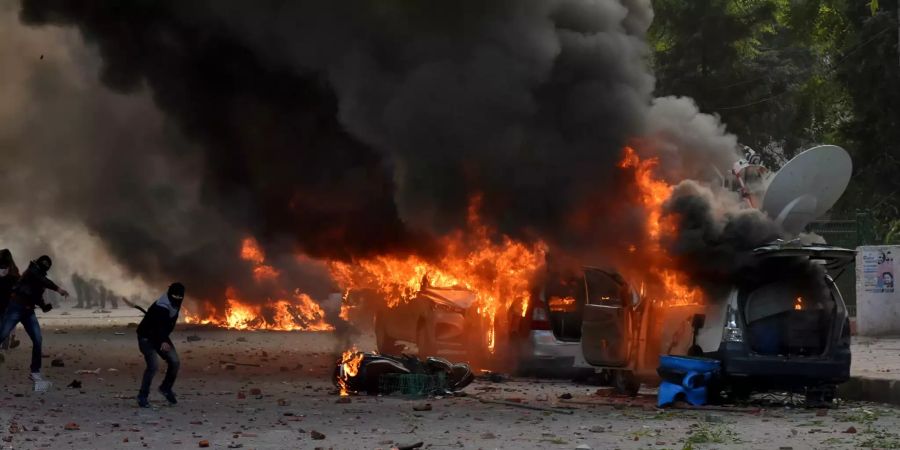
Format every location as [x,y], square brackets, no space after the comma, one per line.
[374,373]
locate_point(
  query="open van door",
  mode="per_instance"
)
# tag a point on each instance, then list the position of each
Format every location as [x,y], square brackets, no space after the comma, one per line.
[604,329]
[831,257]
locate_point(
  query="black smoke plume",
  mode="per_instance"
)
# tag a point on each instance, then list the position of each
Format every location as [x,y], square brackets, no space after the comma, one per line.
[346,129]
[352,128]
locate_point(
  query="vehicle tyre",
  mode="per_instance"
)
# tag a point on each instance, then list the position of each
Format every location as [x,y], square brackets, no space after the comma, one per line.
[820,397]
[424,341]
[385,343]
[624,382]
[584,375]
[739,393]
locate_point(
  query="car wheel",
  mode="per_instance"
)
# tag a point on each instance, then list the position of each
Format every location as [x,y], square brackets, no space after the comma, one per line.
[820,397]
[385,343]
[624,382]
[739,393]
[424,342]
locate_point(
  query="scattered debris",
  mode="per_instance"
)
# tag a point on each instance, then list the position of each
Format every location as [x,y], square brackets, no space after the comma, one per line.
[239,364]
[75,384]
[88,372]
[283,402]
[119,333]
[344,399]
[72,426]
[851,430]
[526,406]
[566,396]
[242,339]
[316,435]
[410,446]
[488,436]
[193,338]
[203,444]
[131,325]
[255,391]
[57,363]
[228,366]
[425,407]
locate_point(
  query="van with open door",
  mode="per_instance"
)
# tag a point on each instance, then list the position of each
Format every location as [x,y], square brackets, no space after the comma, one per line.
[785,327]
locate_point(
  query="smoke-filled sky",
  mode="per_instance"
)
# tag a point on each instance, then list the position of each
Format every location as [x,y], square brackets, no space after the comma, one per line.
[164,131]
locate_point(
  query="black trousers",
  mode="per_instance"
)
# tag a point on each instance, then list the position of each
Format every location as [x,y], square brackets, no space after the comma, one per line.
[150,356]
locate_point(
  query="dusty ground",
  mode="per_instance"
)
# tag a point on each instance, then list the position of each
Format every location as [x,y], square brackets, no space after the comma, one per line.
[221,406]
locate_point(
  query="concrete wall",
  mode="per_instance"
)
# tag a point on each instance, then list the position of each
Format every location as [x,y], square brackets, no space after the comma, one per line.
[877,294]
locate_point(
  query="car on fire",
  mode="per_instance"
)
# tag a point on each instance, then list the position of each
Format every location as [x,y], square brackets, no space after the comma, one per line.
[436,320]
[783,330]
[784,327]
[546,338]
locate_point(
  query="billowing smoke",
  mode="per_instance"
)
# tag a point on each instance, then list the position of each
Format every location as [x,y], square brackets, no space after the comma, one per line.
[341,130]
[716,236]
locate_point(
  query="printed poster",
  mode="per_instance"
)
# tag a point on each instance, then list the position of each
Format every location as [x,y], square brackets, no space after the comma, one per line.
[878,270]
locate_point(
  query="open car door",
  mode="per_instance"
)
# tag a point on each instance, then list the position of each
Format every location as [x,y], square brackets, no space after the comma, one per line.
[831,257]
[604,334]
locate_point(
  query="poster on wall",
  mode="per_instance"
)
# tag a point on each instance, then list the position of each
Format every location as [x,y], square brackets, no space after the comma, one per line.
[878,270]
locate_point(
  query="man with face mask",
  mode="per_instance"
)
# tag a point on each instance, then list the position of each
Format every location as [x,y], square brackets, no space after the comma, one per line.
[153,339]
[28,293]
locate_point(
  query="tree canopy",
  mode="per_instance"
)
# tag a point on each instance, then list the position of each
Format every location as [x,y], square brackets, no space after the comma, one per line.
[788,74]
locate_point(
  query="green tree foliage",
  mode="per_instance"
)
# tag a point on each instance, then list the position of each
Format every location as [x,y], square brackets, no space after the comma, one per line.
[868,67]
[787,74]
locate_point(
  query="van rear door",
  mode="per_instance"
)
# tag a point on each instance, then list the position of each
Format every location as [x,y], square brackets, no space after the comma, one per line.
[832,257]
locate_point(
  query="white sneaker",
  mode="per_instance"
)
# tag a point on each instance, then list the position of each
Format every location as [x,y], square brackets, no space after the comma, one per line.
[36,376]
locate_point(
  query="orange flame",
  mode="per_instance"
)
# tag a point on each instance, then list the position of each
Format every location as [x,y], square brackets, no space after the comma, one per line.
[561,304]
[798,304]
[653,194]
[349,367]
[498,271]
[296,312]
[251,252]
[300,313]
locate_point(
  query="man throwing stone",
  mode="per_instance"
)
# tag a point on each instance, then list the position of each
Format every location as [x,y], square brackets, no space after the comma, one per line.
[153,339]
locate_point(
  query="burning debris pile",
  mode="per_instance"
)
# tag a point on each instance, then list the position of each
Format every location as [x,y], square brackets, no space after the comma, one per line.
[289,312]
[372,373]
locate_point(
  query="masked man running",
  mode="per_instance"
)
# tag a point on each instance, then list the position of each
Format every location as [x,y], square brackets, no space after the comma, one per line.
[27,294]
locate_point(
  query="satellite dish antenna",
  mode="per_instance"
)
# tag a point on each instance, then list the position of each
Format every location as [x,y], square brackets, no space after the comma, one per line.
[807,187]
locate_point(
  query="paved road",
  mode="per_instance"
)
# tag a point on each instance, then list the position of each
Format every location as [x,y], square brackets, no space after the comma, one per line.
[295,398]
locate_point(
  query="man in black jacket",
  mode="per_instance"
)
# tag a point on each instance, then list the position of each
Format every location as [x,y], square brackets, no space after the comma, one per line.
[27,294]
[153,338]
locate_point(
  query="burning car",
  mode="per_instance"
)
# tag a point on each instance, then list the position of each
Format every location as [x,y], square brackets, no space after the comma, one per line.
[437,320]
[781,329]
[782,324]
[547,336]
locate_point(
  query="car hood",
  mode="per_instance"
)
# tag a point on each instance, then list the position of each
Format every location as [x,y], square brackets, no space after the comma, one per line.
[460,298]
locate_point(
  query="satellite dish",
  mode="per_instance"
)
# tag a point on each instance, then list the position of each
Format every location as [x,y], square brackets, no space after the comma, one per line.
[807,187]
